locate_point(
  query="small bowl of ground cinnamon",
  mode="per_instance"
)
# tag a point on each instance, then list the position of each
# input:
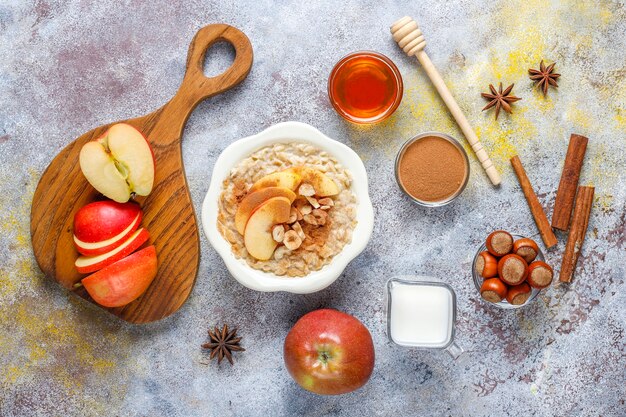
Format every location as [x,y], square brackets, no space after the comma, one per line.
[432,169]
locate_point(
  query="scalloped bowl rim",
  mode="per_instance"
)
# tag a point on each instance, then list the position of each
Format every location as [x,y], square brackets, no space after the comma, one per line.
[287,132]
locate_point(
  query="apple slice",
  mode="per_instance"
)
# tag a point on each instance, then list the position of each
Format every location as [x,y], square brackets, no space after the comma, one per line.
[290,180]
[258,234]
[104,225]
[98,248]
[87,264]
[254,200]
[123,281]
[324,186]
[119,163]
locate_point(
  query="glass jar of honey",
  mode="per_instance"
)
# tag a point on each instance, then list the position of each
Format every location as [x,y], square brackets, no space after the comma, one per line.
[365,87]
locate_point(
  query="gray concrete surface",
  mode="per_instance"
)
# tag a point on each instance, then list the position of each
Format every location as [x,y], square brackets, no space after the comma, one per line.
[68,66]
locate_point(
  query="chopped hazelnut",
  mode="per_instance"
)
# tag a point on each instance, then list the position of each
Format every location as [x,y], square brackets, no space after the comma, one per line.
[313,202]
[278,233]
[306,190]
[293,216]
[303,206]
[320,216]
[280,252]
[292,241]
[298,228]
[310,219]
[326,201]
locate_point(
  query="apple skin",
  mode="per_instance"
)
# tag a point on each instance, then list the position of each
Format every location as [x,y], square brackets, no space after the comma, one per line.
[88,264]
[253,200]
[103,220]
[123,281]
[104,225]
[98,248]
[329,352]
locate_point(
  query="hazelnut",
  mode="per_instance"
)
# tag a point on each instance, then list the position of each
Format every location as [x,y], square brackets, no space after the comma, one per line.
[518,294]
[540,275]
[278,233]
[326,201]
[320,216]
[526,248]
[306,190]
[293,216]
[486,265]
[292,241]
[493,290]
[298,228]
[280,252]
[312,201]
[512,269]
[499,243]
[310,219]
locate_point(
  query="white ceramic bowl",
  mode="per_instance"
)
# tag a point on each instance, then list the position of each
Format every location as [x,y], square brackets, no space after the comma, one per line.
[263,281]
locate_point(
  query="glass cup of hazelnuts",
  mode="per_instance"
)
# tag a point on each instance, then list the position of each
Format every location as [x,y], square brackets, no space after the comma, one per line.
[509,270]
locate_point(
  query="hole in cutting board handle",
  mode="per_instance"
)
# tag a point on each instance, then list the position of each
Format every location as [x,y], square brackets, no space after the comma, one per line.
[218,58]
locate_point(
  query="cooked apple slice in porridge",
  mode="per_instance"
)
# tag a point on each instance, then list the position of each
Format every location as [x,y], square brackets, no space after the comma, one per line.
[254,199]
[290,180]
[258,238]
[323,185]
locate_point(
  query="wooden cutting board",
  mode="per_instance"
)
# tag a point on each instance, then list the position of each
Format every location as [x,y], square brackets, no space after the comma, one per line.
[168,211]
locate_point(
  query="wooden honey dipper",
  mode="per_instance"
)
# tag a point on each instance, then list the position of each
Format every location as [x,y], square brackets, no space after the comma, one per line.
[410,38]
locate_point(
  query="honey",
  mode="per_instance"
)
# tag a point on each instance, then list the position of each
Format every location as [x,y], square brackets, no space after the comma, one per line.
[365,87]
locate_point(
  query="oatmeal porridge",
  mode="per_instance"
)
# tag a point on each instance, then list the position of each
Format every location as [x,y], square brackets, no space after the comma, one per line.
[287,209]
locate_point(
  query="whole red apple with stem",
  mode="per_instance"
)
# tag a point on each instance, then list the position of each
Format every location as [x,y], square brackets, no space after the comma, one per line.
[329,352]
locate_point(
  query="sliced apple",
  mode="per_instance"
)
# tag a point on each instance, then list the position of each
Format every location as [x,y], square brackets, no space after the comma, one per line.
[290,180]
[119,163]
[324,186]
[123,281]
[104,225]
[254,200]
[258,234]
[87,264]
[98,248]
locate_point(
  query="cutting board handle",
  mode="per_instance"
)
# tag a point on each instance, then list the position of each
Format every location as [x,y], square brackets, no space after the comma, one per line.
[200,86]
[196,86]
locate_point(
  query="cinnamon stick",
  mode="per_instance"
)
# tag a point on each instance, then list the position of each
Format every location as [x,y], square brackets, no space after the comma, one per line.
[576,237]
[541,220]
[569,181]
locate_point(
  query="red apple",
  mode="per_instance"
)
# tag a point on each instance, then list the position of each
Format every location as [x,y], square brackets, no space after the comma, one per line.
[87,264]
[104,225]
[123,281]
[329,352]
[119,163]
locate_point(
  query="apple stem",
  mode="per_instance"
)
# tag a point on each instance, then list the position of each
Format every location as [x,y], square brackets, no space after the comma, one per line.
[78,285]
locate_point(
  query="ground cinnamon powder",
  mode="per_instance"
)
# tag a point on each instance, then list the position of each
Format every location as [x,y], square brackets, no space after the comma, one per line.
[432,169]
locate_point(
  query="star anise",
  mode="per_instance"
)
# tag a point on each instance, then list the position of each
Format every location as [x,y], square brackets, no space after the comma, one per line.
[544,76]
[223,343]
[500,99]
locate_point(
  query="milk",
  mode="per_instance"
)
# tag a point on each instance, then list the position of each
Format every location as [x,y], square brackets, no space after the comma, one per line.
[420,314]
